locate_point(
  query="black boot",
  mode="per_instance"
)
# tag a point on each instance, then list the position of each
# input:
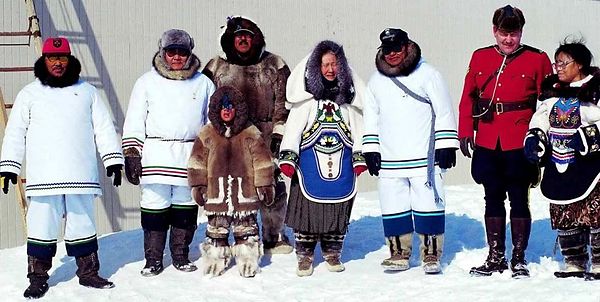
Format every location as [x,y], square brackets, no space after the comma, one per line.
[520,230]
[495,228]
[594,272]
[179,243]
[87,271]
[305,253]
[37,272]
[331,246]
[154,245]
[573,246]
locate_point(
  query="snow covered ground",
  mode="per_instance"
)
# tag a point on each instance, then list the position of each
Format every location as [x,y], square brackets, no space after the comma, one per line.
[122,258]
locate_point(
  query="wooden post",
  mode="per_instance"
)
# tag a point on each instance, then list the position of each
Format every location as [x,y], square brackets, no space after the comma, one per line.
[34,26]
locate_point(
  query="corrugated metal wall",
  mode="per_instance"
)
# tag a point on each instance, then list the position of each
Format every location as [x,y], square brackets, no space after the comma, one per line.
[115,41]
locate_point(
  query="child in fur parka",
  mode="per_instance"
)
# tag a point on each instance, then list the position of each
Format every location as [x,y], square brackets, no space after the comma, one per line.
[231,172]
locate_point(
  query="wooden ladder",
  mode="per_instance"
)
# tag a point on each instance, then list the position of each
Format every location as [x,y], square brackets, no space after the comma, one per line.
[34,36]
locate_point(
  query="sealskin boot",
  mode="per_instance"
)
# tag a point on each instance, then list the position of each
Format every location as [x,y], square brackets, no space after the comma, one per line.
[37,272]
[431,252]
[400,251]
[305,253]
[331,246]
[594,272]
[179,243]
[154,245]
[573,246]
[495,228]
[520,230]
[87,271]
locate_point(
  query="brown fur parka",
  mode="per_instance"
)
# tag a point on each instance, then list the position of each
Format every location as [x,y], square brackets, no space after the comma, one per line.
[231,163]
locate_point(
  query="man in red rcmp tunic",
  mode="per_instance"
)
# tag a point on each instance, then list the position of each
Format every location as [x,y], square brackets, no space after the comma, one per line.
[499,97]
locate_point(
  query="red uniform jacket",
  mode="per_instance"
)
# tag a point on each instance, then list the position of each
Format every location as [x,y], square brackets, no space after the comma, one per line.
[519,81]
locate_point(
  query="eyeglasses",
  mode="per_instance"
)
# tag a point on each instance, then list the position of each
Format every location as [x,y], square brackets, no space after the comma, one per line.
[54,59]
[561,65]
[177,51]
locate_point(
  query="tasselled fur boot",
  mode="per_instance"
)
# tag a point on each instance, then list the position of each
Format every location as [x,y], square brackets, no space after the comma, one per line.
[216,255]
[400,251]
[248,252]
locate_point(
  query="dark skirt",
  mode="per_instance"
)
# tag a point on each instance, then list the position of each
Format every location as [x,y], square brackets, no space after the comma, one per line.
[316,218]
[579,214]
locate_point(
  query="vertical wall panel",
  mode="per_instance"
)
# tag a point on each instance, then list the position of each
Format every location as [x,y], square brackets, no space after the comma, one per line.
[115,41]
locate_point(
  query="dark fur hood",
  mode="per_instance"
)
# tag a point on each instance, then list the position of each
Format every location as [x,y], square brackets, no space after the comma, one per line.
[588,92]
[257,51]
[343,92]
[70,77]
[408,65]
[240,121]
[161,66]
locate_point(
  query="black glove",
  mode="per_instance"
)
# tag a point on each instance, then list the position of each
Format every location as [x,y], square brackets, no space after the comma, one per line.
[199,195]
[466,145]
[373,160]
[532,148]
[133,166]
[6,176]
[116,171]
[446,157]
[275,143]
[576,143]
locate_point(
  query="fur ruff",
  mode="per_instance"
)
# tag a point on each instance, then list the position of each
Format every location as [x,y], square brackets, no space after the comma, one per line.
[240,121]
[313,79]
[70,77]
[190,69]
[257,50]
[408,65]
[589,92]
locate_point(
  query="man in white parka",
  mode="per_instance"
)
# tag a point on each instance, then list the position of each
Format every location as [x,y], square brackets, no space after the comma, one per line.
[410,135]
[167,108]
[59,123]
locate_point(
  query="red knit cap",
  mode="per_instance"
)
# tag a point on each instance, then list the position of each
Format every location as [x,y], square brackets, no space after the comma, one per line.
[56,46]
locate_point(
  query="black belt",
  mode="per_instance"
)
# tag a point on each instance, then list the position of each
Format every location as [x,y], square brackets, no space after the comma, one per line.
[507,107]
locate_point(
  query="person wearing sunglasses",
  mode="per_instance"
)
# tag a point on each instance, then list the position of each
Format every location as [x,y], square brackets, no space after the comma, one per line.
[261,76]
[409,154]
[59,123]
[499,96]
[564,138]
[167,108]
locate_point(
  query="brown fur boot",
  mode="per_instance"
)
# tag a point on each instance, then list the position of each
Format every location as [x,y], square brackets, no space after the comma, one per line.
[331,246]
[400,251]
[37,272]
[305,252]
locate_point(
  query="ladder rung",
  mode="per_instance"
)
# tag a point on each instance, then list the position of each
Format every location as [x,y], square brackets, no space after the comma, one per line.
[15,69]
[15,33]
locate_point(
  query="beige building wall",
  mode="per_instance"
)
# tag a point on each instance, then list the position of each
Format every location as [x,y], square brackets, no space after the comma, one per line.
[115,41]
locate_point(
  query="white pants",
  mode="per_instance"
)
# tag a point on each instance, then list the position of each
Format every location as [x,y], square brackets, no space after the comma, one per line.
[405,198]
[45,214]
[160,196]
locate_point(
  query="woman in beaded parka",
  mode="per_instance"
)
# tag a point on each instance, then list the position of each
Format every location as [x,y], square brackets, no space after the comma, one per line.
[322,143]
[564,138]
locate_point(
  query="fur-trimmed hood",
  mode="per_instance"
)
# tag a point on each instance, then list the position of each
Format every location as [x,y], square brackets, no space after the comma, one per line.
[161,66]
[70,77]
[343,90]
[408,65]
[240,121]
[588,92]
[257,50]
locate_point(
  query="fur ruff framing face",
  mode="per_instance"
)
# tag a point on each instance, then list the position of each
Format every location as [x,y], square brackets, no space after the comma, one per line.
[588,92]
[70,77]
[406,67]
[240,121]
[314,81]
[188,71]
[227,42]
